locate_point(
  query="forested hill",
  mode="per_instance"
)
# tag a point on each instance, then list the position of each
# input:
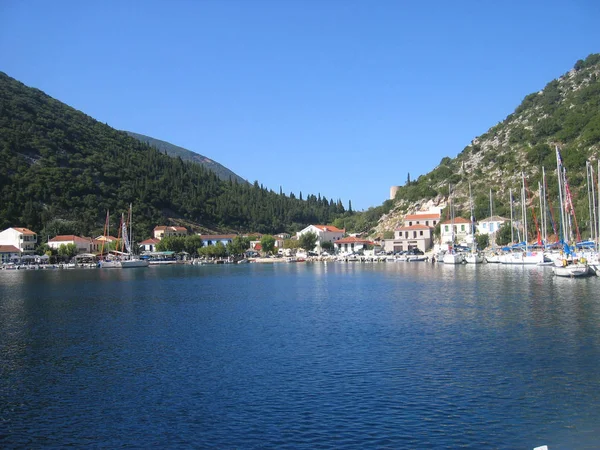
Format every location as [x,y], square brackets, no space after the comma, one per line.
[61,170]
[187,155]
[566,112]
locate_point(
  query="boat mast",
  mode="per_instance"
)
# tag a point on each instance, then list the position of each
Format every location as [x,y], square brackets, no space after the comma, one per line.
[491,220]
[524,208]
[472,221]
[512,230]
[130,231]
[563,224]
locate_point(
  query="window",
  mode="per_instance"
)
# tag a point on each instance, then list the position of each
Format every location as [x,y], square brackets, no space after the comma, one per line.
[414,234]
[447,228]
[462,228]
[410,224]
[406,234]
[427,222]
[485,225]
[421,233]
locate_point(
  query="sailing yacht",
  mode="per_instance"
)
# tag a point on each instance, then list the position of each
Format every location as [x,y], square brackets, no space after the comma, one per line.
[129,261]
[570,266]
[451,256]
[473,257]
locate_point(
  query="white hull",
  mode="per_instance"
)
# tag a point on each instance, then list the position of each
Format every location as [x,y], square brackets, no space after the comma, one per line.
[572,271]
[474,258]
[493,258]
[522,258]
[110,264]
[130,263]
[453,258]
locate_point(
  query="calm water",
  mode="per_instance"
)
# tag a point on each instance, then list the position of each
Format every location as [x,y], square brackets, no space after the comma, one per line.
[401,355]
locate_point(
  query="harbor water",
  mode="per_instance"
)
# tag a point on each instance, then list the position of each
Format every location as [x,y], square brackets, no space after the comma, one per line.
[305,355]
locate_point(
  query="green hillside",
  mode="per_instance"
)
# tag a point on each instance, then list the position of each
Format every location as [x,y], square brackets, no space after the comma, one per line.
[187,155]
[61,170]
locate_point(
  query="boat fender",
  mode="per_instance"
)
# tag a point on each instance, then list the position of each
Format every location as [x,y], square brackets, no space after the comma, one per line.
[583,261]
[564,262]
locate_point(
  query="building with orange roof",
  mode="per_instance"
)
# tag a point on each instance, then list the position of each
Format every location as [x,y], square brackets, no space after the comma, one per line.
[23,239]
[325,233]
[83,244]
[168,231]
[461,233]
[352,244]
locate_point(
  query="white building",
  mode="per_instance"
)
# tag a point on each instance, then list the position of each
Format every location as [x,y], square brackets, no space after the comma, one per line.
[168,231]
[83,244]
[409,237]
[462,233]
[325,233]
[490,225]
[351,244]
[8,253]
[23,239]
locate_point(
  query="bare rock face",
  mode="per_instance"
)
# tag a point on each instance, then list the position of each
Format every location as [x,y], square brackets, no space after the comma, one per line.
[564,113]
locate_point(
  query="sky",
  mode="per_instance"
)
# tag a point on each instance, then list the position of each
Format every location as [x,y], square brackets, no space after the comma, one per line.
[341,98]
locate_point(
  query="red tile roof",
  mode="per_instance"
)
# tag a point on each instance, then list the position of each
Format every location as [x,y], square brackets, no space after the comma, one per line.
[8,249]
[421,216]
[414,227]
[329,228]
[353,240]
[69,238]
[151,241]
[24,231]
[456,220]
[170,227]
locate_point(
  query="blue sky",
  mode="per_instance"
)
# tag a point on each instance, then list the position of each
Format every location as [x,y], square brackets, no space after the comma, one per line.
[338,97]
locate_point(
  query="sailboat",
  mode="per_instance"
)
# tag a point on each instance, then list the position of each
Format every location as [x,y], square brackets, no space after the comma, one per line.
[523,256]
[492,257]
[107,263]
[451,256]
[129,261]
[570,266]
[473,257]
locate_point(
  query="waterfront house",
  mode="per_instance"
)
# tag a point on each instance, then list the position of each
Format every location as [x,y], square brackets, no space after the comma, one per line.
[8,253]
[213,239]
[83,244]
[416,232]
[325,233]
[490,225]
[409,237]
[23,239]
[149,245]
[462,231]
[351,244]
[168,231]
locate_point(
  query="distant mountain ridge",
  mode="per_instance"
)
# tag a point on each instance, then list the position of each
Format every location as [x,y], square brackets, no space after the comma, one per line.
[187,155]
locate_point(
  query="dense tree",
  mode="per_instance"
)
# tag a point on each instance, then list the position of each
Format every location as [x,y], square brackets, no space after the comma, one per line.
[308,241]
[267,243]
[238,245]
[60,171]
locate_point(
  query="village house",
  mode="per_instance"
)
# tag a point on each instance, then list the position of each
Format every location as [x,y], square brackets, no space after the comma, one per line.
[462,233]
[23,239]
[83,244]
[325,233]
[213,239]
[149,245]
[490,225]
[351,244]
[8,253]
[416,232]
[169,231]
